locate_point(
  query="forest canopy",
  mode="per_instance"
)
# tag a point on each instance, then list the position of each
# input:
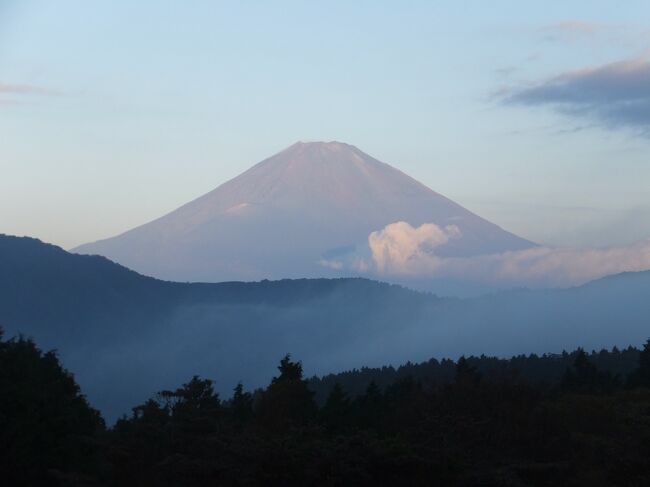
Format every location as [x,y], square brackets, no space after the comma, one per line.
[570,419]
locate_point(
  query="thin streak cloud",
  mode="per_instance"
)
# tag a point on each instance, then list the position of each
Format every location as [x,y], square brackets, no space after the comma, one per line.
[25,89]
[574,28]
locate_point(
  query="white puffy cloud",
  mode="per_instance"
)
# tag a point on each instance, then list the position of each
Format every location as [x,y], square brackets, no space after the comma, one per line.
[400,249]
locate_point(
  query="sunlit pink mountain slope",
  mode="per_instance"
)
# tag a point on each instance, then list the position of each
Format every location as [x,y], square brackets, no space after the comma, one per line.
[287,214]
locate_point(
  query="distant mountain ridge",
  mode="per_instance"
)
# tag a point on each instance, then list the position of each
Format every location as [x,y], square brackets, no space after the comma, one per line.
[108,321]
[137,334]
[33,272]
[283,216]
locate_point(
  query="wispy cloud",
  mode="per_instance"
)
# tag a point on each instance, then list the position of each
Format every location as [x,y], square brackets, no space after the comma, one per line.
[614,95]
[12,94]
[575,28]
[605,34]
[9,102]
[402,250]
[331,264]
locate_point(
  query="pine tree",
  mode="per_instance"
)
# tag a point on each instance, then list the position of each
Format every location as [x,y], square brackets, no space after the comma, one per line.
[241,404]
[640,377]
[195,408]
[335,413]
[584,376]
[466,375]
[288,401]
[370,406]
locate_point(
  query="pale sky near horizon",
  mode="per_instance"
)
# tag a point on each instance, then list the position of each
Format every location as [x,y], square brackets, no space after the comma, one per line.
[535,115]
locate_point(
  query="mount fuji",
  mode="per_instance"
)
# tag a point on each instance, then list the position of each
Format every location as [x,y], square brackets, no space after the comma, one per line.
[291,214]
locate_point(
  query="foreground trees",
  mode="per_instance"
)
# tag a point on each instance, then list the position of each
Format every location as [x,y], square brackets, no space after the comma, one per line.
[640,377]
[474,430]
[479,427]
[47,428]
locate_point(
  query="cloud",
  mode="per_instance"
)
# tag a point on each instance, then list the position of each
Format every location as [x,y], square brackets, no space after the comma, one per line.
[572,29]
[614,95]
[25,89]
[9,102]
[331,264]
[552,266]
[603,34]
[402,250]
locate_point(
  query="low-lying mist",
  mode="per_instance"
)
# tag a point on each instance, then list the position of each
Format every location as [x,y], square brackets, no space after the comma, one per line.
[349,329]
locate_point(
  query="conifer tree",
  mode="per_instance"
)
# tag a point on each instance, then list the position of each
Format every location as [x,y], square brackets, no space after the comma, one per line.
[46,425]
[336,411]
[241,404]
[466,375]
[640,377]
[288,401]
[584,376]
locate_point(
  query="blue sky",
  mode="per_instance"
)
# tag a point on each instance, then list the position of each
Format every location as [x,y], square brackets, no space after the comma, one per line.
[535,115]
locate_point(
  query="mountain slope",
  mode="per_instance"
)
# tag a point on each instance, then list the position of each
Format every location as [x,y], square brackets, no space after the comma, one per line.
[283,216]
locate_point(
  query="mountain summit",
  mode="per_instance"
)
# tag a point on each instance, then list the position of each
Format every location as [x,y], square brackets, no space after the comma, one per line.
[288,214]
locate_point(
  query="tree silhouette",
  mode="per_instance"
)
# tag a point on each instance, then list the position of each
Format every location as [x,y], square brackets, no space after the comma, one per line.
[335,414]
[47,428]
[241,404]
[640,377]
[466,375]
[195,407]
[195,397]
[584,376]
[370,406]
[288,401]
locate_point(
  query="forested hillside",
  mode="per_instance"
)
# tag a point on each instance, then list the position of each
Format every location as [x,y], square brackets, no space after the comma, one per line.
[545,369]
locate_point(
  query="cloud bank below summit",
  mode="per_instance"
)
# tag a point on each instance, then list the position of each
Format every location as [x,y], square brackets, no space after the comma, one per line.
[402,251]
